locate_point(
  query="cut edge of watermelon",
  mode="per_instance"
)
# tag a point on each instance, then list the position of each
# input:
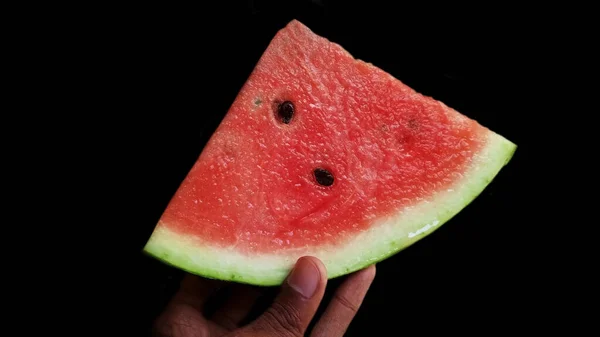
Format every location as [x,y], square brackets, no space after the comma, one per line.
[385,238]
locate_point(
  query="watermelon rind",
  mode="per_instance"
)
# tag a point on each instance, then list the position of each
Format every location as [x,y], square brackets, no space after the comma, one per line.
[386,237]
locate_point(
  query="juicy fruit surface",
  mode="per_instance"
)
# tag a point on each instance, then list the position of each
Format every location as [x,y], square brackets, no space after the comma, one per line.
[253,188]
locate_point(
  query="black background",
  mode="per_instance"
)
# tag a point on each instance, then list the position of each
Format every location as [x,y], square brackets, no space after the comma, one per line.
[169,75]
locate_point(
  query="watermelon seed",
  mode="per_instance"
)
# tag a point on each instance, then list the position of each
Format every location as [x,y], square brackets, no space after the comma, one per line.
[323,177]
[285,111]
[413,124]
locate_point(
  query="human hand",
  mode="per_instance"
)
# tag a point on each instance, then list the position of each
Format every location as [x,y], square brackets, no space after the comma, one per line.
[288,316]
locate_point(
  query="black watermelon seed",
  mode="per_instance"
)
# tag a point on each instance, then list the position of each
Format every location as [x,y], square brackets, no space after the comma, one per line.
[323,177]
[285,111]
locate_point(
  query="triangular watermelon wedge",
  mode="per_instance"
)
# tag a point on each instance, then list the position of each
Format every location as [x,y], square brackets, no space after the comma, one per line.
[324,155]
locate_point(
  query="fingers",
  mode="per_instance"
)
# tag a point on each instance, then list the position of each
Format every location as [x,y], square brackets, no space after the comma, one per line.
[296,304]
[195,291]
[237,306]
[344,304]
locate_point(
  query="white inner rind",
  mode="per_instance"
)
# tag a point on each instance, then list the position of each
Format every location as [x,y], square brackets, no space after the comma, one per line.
[384,238]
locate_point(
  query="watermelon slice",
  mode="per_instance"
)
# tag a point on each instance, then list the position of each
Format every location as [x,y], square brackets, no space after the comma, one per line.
[322,154]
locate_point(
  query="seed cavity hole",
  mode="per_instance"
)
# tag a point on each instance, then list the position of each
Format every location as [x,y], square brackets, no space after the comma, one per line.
[285,112]
[323,177]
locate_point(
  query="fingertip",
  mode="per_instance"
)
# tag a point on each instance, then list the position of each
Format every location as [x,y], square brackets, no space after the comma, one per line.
[345,303]
[367,274]
[316,262]
[371,271]
[191,281]
[195,291]
[297,302]
[308,277]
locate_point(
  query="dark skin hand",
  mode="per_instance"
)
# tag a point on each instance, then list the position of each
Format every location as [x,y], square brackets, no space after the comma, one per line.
[288,316]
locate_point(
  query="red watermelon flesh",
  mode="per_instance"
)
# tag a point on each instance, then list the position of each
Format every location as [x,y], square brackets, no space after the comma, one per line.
[393,165]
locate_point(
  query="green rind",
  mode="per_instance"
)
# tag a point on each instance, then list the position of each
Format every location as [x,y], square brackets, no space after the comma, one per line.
[385,238]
